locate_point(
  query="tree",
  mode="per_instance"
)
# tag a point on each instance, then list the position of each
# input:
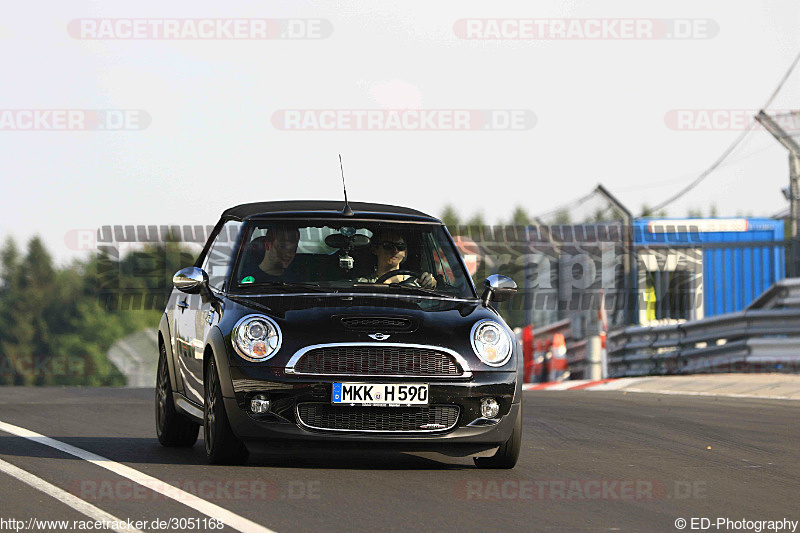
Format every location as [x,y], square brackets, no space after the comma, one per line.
[27,291]
[477,221]
[451,219]
[562,217]
[596,217]
[520,217]
[648,211]
[54,328]
[15,335]
[9,259]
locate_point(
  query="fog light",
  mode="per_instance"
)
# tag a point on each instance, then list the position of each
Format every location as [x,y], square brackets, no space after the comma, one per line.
[489,408]
[259,404]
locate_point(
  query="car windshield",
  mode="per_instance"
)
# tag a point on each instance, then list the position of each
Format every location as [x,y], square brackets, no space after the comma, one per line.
[355,256]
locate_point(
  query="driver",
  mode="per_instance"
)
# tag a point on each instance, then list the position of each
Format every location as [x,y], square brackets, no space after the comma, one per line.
[390,249]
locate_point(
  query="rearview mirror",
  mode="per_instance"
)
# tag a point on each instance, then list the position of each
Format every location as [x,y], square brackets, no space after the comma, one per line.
[498,288]
[337,240]
[190,280]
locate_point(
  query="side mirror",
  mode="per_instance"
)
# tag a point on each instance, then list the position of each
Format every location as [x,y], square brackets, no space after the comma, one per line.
[190,280]
[498,288]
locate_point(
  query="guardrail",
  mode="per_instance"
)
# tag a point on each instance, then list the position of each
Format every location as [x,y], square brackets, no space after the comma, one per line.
[783,294]
[763,338]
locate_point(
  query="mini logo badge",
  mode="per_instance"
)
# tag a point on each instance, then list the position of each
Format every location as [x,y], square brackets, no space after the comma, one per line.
[432,426]
[379,336]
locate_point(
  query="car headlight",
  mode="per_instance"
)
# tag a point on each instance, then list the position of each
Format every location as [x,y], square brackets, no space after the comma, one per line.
[491,343]
[256,337]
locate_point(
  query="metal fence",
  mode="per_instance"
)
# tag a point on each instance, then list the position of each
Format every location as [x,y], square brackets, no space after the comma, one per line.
[765,337]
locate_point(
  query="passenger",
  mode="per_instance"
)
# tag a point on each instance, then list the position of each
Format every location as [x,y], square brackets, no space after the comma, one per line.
[390,249]
[280,249]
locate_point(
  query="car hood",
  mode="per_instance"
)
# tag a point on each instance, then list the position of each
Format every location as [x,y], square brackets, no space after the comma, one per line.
[325,319]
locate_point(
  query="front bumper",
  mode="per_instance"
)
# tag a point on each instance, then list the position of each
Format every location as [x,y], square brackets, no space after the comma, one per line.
[471,433]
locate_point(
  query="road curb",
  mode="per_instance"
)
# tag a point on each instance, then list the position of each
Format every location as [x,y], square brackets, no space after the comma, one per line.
[766,387]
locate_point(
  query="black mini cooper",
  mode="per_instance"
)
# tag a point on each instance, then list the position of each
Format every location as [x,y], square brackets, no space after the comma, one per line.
[306,323]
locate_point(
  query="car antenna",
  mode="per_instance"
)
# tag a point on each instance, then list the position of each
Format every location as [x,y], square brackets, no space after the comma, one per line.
[346,211]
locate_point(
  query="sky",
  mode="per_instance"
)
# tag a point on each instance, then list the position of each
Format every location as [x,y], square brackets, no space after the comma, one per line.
[589,111]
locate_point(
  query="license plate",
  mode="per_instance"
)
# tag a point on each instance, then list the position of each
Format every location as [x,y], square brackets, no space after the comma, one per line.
[380,394]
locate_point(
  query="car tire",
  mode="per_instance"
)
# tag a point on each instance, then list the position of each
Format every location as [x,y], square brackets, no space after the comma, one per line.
[507,455]
[174,430]
[222,446]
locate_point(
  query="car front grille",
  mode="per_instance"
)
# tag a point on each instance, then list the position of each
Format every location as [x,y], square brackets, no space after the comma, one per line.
[377,361]
[387,419]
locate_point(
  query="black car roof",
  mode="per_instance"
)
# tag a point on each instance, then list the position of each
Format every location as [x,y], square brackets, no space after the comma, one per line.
[331,208]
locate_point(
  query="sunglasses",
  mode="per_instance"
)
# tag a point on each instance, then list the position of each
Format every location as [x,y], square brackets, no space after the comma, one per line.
[391,246]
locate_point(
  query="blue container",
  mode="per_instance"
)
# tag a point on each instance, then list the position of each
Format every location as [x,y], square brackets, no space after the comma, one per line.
[742,257]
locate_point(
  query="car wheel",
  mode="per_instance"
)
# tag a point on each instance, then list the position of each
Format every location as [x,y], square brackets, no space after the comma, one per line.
[222,446]
[508,453]
[173,428]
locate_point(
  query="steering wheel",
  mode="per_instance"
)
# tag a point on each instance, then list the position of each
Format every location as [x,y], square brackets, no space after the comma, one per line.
[392,273]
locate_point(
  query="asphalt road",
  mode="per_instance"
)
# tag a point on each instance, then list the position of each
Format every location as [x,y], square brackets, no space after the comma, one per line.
[591,461]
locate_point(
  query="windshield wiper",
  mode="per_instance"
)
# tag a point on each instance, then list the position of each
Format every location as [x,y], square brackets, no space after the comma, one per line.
[292,285]
[421,290]
[245,302]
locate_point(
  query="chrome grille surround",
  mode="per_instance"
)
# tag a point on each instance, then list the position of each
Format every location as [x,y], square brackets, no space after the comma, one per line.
[451,363]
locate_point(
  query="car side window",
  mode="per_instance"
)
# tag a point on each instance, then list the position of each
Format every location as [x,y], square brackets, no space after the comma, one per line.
[218,261]
[438,260]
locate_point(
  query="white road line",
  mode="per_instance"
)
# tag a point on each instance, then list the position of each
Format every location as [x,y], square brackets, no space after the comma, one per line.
[63,496]
[190,500]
